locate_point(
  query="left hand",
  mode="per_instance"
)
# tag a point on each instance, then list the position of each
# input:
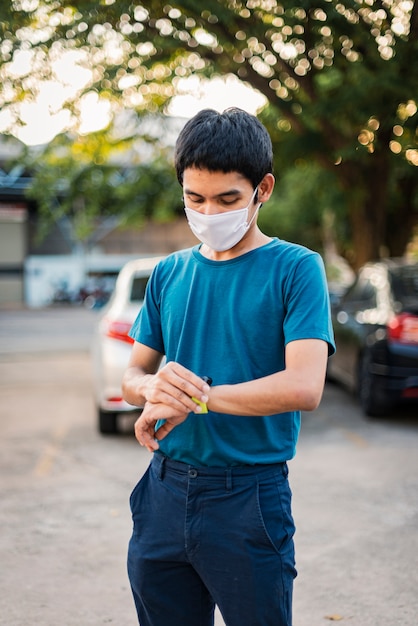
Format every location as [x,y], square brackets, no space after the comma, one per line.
[145,425]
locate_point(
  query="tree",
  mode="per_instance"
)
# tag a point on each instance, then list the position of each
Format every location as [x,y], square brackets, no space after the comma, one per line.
[100,182]
[341,80]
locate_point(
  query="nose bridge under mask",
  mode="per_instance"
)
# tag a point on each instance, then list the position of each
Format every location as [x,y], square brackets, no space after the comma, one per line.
[221,231]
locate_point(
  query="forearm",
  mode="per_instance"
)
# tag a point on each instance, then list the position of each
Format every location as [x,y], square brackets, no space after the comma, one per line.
[134,385]
[273,394]
[298,387]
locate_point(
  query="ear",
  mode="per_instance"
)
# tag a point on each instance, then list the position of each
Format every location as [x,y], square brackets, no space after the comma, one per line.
[265,188]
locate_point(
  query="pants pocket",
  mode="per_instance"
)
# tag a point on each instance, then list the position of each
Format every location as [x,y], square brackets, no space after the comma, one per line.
[274,500]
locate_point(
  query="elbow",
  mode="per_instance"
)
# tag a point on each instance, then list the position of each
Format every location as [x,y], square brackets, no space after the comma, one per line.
[310,398]
[311,405]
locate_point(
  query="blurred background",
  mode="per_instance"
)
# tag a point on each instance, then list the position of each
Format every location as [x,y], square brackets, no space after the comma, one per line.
[92,97]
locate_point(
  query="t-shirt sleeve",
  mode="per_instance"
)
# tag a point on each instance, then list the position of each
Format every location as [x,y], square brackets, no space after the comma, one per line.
[147,327]
[307,303]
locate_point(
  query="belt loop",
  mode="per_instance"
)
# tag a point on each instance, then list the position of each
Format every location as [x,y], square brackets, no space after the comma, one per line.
[285,470]
[162,468]
[228,479]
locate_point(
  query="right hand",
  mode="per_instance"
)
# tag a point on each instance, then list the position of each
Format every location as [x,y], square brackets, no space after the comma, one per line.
[174,385]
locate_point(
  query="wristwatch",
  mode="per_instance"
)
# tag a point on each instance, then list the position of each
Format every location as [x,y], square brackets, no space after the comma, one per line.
[203,405]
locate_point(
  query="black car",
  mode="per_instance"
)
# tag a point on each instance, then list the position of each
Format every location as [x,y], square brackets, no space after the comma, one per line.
[376,333]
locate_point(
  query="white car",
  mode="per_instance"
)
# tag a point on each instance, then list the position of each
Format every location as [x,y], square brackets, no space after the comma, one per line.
[112,345]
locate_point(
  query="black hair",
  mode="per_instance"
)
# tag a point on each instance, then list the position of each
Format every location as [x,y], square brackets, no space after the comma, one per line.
[232,141]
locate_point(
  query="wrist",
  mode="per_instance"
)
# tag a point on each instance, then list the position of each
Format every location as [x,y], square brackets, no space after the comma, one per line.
[145,387]
[214,399]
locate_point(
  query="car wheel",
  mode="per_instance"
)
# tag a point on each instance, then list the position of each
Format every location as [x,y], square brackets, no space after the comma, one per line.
[373,398]
[108,422]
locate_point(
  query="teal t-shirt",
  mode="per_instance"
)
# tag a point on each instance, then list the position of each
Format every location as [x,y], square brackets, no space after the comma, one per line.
[231,320]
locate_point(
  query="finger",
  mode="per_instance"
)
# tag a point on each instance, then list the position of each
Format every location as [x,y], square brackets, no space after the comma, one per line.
[152,446]
[179,401]
[163,430]
[148,441]
[189,382]
[144,433]
[182,385]
[144,437]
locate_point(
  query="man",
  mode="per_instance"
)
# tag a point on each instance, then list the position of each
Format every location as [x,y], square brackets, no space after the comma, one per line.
[212,514]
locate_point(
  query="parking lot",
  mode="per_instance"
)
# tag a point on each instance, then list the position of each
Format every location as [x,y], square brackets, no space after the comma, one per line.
[64,491]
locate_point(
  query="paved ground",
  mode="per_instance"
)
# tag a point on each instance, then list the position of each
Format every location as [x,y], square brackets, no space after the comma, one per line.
[64,493]
[54,329]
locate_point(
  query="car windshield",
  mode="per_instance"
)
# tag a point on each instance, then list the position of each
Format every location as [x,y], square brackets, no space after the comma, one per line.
[139,284]
[405,284]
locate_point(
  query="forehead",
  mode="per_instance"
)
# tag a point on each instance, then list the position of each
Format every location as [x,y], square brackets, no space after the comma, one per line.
[205,182]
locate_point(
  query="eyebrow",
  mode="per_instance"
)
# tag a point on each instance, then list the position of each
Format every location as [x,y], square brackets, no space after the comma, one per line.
[224,194]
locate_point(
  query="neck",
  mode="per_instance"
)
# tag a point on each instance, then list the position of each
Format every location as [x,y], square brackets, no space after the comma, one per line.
[246,244]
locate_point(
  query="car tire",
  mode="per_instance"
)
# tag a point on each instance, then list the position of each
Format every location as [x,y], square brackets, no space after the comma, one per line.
[373,398]
[107,422]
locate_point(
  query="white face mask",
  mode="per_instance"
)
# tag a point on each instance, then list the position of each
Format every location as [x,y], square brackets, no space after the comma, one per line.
[221,231]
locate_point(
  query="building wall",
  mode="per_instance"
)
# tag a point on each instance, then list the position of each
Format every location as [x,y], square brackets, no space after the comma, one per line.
[151,238]
[52,278]
[32,274]
[13,224]
[21,248]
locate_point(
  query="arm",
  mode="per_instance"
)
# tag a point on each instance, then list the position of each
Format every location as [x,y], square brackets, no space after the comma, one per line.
[298,387]
[165,393]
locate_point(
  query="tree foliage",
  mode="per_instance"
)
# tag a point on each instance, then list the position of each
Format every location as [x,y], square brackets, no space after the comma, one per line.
[98,184]
[340,79]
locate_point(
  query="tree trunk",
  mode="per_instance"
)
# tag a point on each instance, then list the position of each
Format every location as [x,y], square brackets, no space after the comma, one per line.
[366,185]
[366,245]
[403,217]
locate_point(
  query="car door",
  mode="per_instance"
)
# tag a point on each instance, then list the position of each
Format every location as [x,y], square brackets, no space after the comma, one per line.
[351,320]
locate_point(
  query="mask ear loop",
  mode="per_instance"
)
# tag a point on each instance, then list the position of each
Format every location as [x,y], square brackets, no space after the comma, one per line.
[254,199]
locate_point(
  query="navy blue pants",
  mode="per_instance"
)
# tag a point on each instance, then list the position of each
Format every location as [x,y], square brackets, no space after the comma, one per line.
[212,536]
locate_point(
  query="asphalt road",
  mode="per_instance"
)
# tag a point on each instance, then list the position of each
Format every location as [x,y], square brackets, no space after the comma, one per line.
[64,492]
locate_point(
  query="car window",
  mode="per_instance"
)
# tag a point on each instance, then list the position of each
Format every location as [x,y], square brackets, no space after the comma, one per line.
[139,284]
[405,283]
[361,296]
